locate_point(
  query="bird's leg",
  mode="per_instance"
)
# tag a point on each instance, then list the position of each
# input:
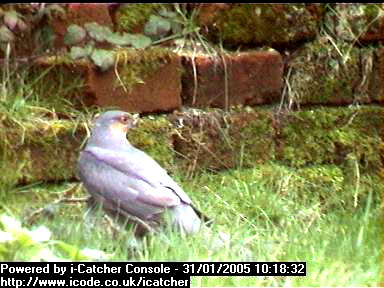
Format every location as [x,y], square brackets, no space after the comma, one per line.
[142,224]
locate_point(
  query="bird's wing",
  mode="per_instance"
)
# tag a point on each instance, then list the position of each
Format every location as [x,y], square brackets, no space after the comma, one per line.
[125,192]
[159,190]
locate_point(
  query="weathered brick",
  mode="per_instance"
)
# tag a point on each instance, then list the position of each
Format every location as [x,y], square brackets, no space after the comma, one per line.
[251,78]
[141,81]
[156,88]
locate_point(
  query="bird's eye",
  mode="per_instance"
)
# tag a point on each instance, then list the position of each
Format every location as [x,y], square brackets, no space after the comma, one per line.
[124,119]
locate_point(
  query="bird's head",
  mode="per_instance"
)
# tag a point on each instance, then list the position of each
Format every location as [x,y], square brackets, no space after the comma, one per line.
[112,125]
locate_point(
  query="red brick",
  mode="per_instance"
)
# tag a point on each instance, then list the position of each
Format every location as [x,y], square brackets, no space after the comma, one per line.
[156,84]
[253,78]
[159,92]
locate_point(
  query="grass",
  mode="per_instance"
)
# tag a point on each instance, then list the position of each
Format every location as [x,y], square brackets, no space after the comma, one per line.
[257,218]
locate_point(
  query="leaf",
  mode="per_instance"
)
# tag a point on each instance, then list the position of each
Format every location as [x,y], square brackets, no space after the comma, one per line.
[74,35]
[102,58]
[167,14]
[140,41]
[6,35]
[11,18]
[98,32]
[157,26]
[80,52]
[119,39]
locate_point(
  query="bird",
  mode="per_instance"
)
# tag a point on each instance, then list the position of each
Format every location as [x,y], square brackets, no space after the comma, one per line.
[128,181]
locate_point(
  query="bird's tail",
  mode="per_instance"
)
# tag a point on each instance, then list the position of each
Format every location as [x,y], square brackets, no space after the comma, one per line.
[185,217]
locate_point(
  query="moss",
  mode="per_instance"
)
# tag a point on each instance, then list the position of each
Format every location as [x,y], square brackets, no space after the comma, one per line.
[197,138]
[252,138]
[264,24]
[136,65]
[215,140]
[331,136]
[153,135]
[322,74]
[131,17]
[371,11]
[59,82]
[40,150]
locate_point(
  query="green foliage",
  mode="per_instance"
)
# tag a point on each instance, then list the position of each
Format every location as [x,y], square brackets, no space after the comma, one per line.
[139,41]
[80,52]
[102,58]
[74,35]
[20,244]
[12,18]
[97,32]
[157,26]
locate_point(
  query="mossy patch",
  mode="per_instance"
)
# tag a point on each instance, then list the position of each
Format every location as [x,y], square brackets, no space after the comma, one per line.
[264,24]
[332,135]
[252,135]
[40,150]
[322,73]
[59,82]
[132,17]
[217,140]
[153,135]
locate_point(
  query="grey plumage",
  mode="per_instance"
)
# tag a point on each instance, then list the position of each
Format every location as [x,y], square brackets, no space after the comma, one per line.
[125,178]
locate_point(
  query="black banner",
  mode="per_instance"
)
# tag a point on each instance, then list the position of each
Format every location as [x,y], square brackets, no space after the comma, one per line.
[134,274]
